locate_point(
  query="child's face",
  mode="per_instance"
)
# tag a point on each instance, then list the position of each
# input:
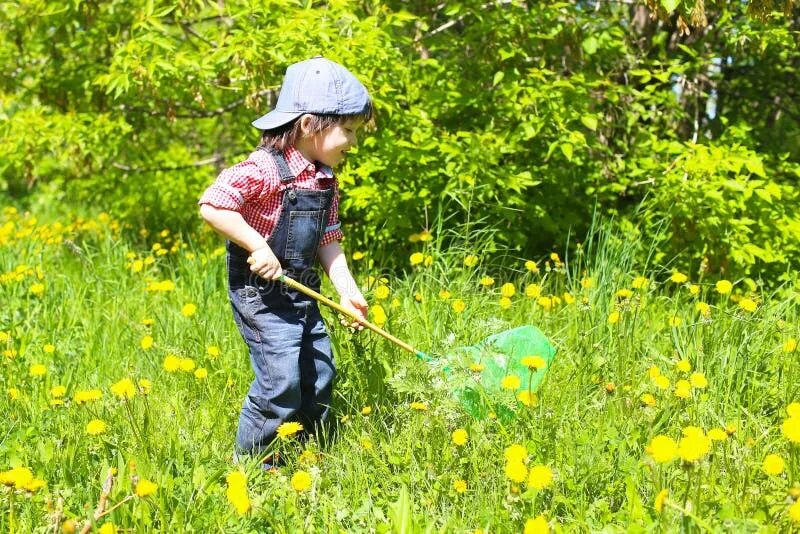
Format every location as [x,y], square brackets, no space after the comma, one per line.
[330,146]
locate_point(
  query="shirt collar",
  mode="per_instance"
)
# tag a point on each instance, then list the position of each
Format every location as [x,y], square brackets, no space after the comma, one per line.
[298,163]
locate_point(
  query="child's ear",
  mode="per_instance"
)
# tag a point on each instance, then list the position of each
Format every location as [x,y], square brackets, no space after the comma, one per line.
[305,124]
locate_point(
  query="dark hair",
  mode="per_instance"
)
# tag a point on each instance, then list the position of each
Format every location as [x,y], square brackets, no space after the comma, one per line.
[289,134]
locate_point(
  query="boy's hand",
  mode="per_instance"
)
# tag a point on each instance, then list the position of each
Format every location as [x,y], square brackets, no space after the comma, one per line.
[358,305]
[264,263]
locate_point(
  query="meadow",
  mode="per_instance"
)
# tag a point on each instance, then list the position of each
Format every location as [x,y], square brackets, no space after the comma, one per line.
[673,403]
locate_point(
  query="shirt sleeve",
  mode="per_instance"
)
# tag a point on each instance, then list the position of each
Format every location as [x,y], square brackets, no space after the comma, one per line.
[333,232]
[235,186]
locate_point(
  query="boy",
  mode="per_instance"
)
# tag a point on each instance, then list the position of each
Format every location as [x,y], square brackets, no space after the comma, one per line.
[279,208]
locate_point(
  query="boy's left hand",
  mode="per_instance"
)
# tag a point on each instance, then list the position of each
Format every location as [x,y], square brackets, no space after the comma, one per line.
[358,305]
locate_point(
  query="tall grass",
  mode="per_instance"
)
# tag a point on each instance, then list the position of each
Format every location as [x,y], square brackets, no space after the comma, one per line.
[393,465]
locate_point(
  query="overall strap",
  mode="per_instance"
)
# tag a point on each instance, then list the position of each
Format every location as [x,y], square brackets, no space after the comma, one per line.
[283,167]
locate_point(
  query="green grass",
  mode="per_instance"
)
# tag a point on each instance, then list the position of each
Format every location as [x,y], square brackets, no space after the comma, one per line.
[394,468]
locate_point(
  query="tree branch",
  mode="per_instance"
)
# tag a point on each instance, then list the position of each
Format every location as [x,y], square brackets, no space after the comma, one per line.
[194,113]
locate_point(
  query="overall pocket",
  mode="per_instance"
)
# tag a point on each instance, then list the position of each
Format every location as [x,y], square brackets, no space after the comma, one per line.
[303,235]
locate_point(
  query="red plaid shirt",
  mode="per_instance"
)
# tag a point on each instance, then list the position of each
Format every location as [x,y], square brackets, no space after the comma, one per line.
[253,188]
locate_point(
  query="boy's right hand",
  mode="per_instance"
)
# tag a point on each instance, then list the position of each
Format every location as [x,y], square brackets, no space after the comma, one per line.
[264,263]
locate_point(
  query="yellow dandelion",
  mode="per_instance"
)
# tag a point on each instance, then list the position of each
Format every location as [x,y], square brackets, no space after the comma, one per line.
[723,287]
[694,289]
[791,429]
[460,485]
[201,373]
[366,410]
[188,310]
[459,436]
[679,278]
[419,406]
[533,363]
[357,256]
[13,393]
[505,303]
[510,382]
[146,342]
[794,511]
[171,363]
[186,364]
[624,293]
[658,503]
[693,447]
[108,528]
[703,309]
[145,487]
[793,409]
[648,399]
[508,290]
[95,427]
[471,260]
[538,525]
[236,493]
[417,258]
[773,464]
[663,449]
[289,429]
[459,306]
[301,481]
[568,298]
[49,348]
[587,282]
[124,389]
[698,380]
[540,477]
[381,292]
[533,291]
[653,371]
[683,389]
[58,391]
[531,266]
[661,382]
[476,367]
[790,345]
[378,314]
[527,398]
[516,471]
[515,453]
[717,434]
[213,351]
[684,366]
[674,321]
[37,369]
[37,289]
[444,294]
[487,281]
[748,305]
[613,317]
[639,282]
[84,396]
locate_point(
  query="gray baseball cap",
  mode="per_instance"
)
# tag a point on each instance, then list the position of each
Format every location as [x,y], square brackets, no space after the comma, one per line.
[317,85]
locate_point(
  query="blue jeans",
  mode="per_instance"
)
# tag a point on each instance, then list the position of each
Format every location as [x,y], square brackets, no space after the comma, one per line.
[291,356]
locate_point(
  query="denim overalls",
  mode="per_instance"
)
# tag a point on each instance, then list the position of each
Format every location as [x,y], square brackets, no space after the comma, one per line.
[289,347]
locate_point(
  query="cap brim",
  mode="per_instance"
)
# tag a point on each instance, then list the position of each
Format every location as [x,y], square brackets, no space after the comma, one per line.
[275,119]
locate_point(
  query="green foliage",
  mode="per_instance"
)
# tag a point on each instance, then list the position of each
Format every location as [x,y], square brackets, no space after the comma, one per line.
[522,117]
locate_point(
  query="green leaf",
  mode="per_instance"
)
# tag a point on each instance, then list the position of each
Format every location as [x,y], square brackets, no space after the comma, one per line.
[590,122]
[670,5]
[755,166]
[498,77]
[590,45]
[566,148]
